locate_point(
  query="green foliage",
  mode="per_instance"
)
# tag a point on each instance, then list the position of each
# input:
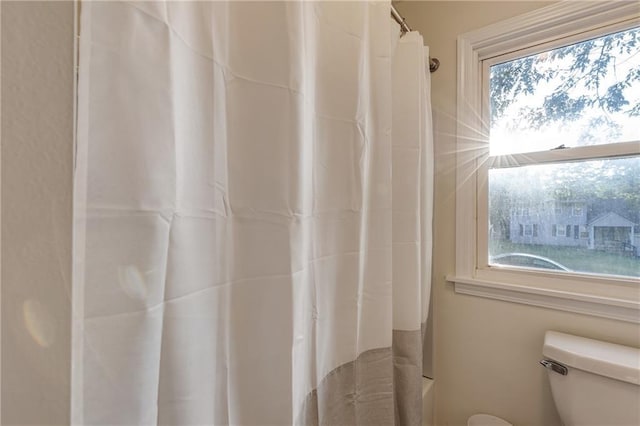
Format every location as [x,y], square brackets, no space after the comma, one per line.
[608,185]
[580,75]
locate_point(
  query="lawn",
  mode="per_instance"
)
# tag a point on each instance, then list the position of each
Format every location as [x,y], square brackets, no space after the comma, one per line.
[577,259]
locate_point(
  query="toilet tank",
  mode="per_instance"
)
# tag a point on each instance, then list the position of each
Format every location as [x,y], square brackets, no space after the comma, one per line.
[602,381]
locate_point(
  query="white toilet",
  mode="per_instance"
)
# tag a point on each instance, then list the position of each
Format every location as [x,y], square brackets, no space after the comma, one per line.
[593,382]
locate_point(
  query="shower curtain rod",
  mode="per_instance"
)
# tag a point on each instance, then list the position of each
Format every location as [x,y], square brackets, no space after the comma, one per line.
[434,63]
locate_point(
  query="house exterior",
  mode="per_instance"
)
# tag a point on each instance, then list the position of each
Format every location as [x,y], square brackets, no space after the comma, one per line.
[566,224]
[550,223]
[609,231]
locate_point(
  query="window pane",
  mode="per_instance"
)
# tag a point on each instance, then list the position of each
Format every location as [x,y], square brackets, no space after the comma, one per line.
[582,216]
[582,94]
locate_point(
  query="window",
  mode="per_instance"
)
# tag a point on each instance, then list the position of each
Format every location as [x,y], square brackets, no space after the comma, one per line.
[561,231]
[549,116]
[528,231]
[581,98]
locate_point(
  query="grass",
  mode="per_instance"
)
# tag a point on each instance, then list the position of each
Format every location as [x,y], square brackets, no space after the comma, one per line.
[577,259]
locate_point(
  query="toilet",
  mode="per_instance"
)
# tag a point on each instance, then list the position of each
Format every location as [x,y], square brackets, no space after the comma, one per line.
[592,382]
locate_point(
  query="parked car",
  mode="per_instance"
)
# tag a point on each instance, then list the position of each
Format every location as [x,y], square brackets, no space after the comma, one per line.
[526,260]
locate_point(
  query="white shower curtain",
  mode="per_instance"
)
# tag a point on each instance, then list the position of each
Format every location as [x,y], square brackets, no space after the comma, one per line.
[253,221]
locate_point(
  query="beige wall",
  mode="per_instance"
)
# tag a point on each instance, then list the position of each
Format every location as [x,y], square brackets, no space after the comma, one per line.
[37,167]
[486,351]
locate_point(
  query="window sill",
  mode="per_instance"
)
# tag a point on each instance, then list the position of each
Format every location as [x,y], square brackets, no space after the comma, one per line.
[605,307]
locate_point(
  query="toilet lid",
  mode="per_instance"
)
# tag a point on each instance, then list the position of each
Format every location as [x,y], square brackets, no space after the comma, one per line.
[603,358]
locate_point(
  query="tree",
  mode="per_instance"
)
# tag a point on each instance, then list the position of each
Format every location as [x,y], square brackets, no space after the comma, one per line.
[580,76]
[512,189]
[606,185]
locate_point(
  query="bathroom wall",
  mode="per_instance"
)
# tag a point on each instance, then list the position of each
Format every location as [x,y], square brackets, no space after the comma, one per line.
[37,169]
[486,352]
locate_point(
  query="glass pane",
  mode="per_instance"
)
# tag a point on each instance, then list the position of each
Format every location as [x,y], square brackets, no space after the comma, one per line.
[582,94]
[582,216]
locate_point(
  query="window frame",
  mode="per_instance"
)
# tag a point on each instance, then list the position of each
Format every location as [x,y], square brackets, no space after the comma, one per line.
[552,26]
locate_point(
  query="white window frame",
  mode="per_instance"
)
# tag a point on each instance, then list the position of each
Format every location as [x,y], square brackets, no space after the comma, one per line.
[599,295]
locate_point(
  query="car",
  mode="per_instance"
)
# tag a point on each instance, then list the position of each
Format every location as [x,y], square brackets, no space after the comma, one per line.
[526,260]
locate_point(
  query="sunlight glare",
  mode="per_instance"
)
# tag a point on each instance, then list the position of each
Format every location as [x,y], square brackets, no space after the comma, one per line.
[38,322]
